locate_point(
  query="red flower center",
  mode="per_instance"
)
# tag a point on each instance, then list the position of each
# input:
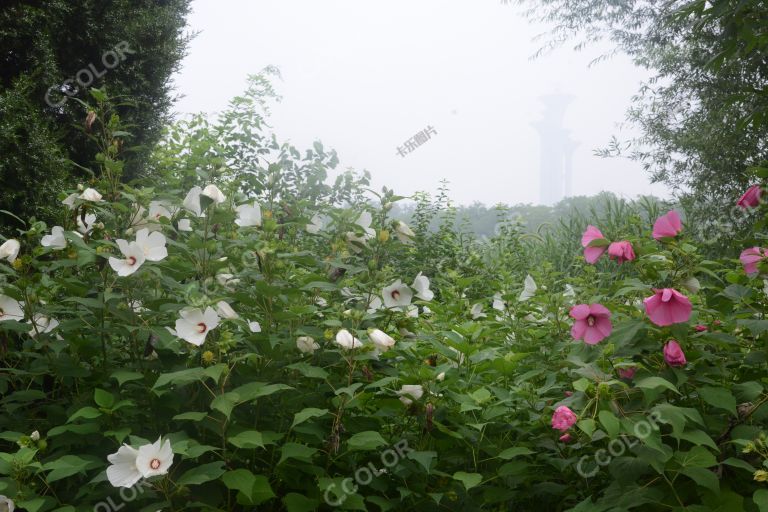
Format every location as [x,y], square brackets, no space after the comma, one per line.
[154,463]
[395,294]
[590,320]
[201,327]
[131,260]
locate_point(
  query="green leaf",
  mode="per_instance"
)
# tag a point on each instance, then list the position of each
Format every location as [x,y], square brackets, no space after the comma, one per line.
[68,465]
[254,487]
[719,397]
[305,414]
[88,413]
[247,439]
[202,474]
[309,371]
[122,376]
[703,477]
[423,458]
[180,378]
[587,425]
[295,502]
[296,451]
[469,480]
[511,453]
[697,457]
[760,497]
[369,440]
[103,398]
[192,416]
[610,423]
[655,383]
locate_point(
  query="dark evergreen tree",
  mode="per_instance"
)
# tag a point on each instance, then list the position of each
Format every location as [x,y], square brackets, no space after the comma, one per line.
[51,53]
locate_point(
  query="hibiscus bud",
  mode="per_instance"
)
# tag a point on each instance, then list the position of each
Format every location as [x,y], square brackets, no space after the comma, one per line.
[89,120]
[701,328]
[383,235]
[692,285]
[751,197]
[569,393]
[207,357]
[627,373]
[761,475]
[566,438]
[744,409]
[35,436]
[80,187]
[673,354]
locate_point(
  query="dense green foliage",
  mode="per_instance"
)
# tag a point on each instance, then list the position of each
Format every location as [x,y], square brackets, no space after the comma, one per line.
[298,390]
[45,44]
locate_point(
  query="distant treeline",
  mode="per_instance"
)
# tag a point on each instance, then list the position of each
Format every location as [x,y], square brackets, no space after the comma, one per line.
[482,220]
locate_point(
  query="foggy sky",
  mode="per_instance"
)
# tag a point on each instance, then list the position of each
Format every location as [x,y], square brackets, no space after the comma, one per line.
[364,76]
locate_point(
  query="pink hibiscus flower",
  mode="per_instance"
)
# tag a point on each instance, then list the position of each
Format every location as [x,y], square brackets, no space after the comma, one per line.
[563,418]
[667,226]
[668,306]
[751,257]
[592,254]
[621,251]
[751,197]
[593,323]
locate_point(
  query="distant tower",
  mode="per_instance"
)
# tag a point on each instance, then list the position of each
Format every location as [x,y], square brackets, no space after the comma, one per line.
[556,150]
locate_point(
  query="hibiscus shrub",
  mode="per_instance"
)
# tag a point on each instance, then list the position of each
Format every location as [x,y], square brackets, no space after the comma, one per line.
[245,337]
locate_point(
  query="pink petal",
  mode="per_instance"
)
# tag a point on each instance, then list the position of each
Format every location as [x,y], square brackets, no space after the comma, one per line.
[591,233]
[593,336]
[592,254]
[604,325]
[578,329]
[580,311]
[599,310]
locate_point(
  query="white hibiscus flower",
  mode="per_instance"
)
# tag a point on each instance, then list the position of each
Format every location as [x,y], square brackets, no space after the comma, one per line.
[123,471]
[225,311]
[421,285]
[213,192]
[248,215]
[9,251]
[194,324]
[42,324]
[306,344]
[410,392]
[345,340]
[56,239]
[154,459]
[397,294]
[86,226]
[90,194]
[134,257]
[153,244]
[10,309]
[381,340]
[404,233]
